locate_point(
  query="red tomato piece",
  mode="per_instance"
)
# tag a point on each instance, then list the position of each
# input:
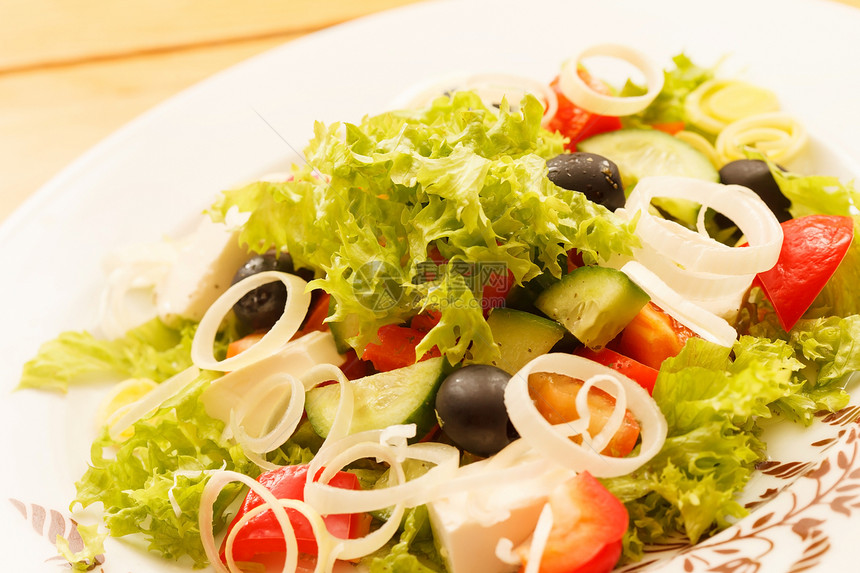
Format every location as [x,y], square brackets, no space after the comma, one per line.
[315,319]
[652,337]
[671,127]
[244,343]
[574,122]
[396,347]
[643,375]
[812,249]
[588,524]
[554,396]
[262,534]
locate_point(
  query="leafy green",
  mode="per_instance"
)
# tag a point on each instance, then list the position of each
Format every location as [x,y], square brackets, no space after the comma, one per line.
[414,552]
[137,483]
[90,556]
[711,404]
[828,354]
[385,196]
[668,107]
[152,350]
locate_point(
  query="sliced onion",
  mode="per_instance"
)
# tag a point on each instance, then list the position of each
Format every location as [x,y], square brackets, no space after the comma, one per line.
[696,252]
[706,324]
[539,539]
[714,104]
[216,483]
[152,400]
[776,134]
[552,440]
[415,492]
[298,301]
[580,93]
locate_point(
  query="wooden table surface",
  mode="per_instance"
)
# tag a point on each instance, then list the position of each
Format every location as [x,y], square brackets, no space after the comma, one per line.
[73,71]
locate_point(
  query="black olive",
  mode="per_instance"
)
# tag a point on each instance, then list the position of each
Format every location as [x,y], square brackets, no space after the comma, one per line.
[263,306]
[755,174]
[470,406]
[594,175]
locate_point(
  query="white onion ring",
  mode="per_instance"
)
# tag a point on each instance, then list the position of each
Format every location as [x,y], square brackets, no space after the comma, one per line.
[776,134]
[153,399]
[205,520]
[581,94]
[695,252]
[298,302]
[553,442]
[704,323]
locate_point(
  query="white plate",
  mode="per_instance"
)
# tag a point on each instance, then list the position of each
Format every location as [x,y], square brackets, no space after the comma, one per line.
[149,178]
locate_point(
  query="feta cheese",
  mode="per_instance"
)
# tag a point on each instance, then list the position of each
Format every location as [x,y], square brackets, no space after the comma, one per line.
[468,525]
[295,359]
[205,264]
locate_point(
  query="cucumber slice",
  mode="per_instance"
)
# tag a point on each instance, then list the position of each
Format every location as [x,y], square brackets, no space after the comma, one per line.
[644,152]
[521,336]
[593,303]
[403,396]
[342,331]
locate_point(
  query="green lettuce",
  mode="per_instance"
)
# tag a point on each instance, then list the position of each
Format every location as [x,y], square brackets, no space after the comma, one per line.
[711,403]
[668,106]
[136,479]
[378,200]
[152,350]
[827,353]
[414,552]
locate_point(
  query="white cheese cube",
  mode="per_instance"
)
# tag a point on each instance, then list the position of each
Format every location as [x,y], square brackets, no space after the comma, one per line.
[203,270]
[467,538]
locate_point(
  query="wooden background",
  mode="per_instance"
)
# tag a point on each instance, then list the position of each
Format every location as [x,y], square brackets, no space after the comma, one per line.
[73,71]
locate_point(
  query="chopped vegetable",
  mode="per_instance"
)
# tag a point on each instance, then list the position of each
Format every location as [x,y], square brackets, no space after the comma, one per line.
[812,249]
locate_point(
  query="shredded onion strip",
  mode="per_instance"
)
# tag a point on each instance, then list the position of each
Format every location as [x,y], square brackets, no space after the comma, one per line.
[580,93]
[553,440]
[713,275]
[152,400]
[776,134]
[298,302]
[328,547]
[539,539]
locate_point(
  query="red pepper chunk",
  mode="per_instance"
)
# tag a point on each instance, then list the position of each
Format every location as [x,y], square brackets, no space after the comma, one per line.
[643,375]
[574,122]
[396,348]
[812,248]
[588,524]
[263,535]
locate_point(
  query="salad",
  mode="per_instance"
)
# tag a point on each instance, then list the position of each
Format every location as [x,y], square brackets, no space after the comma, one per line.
[483,333]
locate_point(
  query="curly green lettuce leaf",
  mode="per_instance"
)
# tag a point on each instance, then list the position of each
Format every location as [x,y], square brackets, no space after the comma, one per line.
[143,485]
[414,552]
[91,555]
[455,181]
[711,403]
[152,350]
[668,106]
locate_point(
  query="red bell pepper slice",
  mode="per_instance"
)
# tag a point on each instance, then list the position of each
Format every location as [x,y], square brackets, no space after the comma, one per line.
[643,375]
[588,524]
[396,348]
[262,534]
[574,122]
[812,248]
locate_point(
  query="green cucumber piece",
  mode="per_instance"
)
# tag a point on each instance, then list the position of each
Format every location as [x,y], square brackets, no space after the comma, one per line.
[645,152]
[521,336]
[593,303]
[342,331]
[403,396]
